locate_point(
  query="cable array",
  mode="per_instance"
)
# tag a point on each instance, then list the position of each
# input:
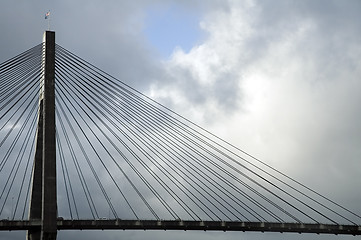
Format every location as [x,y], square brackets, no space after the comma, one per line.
[162,166]
[122,155]
[19,94]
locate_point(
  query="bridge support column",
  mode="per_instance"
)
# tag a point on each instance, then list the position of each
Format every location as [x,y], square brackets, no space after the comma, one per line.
[43,202]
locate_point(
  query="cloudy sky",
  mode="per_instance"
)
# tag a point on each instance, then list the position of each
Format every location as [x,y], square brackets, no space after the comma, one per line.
[279,79]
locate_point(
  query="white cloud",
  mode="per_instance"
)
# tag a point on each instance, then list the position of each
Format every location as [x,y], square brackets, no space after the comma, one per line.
[285,90]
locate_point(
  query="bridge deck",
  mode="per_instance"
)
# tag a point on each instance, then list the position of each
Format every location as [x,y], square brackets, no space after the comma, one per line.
[186,225]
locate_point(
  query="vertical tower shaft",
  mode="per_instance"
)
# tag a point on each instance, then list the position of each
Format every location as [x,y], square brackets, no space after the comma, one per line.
[43,205]
[49,201]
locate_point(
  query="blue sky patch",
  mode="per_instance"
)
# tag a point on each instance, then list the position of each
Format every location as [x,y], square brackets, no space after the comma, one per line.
[172,26]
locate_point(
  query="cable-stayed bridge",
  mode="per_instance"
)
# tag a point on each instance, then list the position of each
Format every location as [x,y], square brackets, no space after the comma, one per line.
[82,150]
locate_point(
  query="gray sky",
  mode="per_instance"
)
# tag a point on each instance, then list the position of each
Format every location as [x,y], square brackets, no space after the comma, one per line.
[279,79]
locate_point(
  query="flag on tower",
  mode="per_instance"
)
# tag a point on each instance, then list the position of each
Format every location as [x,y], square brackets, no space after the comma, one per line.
[47,15]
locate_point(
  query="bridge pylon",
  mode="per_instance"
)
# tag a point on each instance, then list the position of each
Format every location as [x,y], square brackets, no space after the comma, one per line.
[43,202]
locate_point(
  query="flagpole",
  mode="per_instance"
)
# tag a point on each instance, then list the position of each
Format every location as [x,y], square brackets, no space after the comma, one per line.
[47,16]
[49,21]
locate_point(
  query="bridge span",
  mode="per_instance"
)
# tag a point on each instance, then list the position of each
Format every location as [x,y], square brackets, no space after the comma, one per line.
[119,224]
